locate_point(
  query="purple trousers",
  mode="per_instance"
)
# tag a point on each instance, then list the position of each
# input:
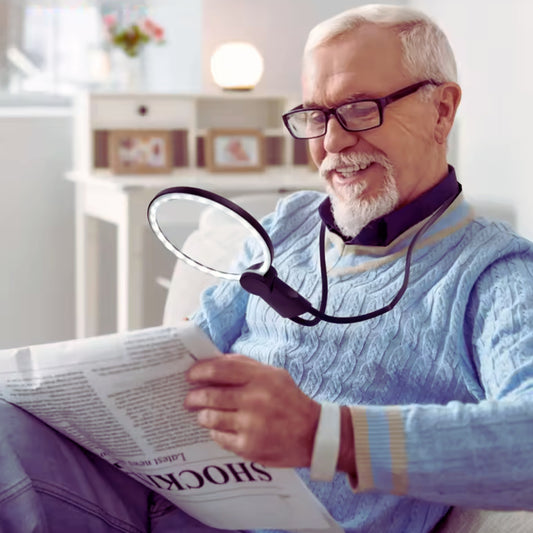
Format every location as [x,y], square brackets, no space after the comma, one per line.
[50,484]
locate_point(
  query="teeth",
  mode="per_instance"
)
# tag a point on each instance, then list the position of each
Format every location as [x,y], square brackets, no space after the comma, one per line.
[347,171]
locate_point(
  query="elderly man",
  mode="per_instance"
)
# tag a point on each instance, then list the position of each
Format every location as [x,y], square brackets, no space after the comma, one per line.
[393,419]
[437,393]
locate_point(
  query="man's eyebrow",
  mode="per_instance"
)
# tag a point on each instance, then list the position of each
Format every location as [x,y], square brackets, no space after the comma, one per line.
[348,100]
[361,96]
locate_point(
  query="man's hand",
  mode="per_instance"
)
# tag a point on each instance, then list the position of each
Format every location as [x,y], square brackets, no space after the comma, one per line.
[254,410]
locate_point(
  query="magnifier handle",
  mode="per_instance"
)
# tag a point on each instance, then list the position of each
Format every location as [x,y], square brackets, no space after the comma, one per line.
[276,293]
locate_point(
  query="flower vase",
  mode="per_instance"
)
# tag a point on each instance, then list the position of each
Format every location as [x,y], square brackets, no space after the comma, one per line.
[134,78]
[128,72]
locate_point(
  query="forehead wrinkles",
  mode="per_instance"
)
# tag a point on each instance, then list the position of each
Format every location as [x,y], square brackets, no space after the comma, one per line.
[320,66]
[366,62]
[327,88]
[319,75]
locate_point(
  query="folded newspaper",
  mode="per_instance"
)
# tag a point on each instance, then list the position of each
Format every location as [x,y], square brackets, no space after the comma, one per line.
[121,397]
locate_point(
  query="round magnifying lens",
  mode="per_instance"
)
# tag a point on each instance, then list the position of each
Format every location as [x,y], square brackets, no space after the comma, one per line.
[219,224]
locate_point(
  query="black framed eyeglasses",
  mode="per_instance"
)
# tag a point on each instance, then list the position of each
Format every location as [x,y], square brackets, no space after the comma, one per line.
[360,115]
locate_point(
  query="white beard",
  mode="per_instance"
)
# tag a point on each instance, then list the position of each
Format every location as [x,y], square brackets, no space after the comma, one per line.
[351,212]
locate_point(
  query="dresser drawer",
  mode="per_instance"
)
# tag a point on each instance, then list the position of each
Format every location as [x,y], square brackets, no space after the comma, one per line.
[138,112]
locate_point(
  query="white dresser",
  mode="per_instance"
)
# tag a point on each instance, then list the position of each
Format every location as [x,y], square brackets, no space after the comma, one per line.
[122,199]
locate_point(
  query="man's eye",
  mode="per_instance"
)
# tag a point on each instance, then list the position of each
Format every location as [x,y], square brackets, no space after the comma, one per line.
[359,110]
[315,117]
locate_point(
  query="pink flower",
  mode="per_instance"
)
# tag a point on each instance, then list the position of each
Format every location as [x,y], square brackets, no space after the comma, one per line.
[153,30]
[133,37]
[148,24]
[159,34]
[110,21]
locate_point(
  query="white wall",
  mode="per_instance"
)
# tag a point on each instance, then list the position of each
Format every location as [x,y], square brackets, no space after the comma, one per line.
[176,65]
[492,43]
[194,28]
[36,231]
[278,28]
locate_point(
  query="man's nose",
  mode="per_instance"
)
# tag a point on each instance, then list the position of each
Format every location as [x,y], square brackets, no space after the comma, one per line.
[337,138]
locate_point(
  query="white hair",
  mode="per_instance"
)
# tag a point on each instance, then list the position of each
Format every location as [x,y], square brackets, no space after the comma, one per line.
[427,54]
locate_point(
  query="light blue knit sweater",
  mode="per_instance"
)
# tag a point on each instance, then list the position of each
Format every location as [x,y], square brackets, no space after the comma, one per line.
[442,386]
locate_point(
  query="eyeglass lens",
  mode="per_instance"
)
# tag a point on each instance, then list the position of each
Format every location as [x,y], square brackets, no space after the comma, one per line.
[356,116]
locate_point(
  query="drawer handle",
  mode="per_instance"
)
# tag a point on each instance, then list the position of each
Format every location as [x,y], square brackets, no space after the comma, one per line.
[142,110]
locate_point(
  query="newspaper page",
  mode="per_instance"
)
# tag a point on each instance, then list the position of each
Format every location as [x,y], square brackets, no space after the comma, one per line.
[121,397]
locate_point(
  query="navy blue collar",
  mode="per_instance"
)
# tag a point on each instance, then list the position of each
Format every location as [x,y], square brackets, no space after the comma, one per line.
[382,231]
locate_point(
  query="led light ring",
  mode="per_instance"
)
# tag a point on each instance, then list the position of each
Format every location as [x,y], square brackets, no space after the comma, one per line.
[212,200]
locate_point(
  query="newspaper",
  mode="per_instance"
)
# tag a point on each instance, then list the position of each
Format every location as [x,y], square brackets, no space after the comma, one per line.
[121,397]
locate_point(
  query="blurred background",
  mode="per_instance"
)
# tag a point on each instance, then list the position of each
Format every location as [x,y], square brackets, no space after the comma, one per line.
[53,50]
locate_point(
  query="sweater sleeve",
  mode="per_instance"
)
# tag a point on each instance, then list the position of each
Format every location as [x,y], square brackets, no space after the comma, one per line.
[476,455]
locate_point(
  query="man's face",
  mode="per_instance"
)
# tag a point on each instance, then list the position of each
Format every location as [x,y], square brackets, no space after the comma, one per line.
[367,64]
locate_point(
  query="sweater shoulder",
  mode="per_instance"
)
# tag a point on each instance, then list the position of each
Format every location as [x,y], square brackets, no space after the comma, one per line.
[496,238]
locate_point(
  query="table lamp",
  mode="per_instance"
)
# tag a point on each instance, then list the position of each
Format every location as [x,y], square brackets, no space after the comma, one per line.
[236,66]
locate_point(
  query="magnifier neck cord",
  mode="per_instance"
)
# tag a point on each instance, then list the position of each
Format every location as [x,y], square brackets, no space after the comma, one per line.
[320,313]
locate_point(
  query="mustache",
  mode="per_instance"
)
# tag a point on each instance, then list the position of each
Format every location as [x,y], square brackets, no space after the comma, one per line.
[334,161]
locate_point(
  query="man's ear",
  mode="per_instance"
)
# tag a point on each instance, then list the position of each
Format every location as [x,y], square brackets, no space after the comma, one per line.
[447,97]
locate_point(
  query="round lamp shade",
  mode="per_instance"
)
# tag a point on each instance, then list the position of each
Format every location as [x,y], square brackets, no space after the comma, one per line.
[236,66]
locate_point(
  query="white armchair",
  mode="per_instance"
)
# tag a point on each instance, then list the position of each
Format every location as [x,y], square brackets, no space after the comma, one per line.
[221,242]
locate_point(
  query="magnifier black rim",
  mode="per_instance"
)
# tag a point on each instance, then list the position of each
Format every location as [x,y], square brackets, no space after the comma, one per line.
[208,195]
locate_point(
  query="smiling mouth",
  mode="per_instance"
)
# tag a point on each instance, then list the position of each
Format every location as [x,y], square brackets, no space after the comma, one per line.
[351,172]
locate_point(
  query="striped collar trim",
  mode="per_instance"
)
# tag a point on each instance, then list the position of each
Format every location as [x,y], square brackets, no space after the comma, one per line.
[455,217]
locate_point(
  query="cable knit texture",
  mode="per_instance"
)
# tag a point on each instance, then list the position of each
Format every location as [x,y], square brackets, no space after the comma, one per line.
[441,386]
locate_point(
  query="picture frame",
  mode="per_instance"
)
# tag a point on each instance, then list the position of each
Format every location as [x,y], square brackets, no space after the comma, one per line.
[234,150]
[140,151]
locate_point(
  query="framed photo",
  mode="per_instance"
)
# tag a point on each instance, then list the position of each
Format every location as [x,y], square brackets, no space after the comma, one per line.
[140,151]
[234,150]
